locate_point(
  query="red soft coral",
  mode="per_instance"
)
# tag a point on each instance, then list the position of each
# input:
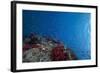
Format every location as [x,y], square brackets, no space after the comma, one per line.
[58,54]
[26,47]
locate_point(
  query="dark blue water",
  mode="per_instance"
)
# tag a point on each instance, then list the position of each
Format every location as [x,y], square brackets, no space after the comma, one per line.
[73,29]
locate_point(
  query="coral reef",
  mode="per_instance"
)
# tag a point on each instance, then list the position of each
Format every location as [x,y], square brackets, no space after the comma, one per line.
[37,48]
